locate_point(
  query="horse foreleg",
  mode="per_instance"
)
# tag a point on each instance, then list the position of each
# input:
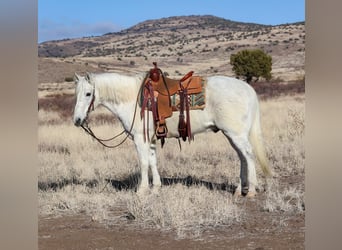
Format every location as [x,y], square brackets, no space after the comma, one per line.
[153,165]
[143,155]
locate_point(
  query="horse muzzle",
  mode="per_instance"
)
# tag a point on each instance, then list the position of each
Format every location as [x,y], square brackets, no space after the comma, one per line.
[78,122]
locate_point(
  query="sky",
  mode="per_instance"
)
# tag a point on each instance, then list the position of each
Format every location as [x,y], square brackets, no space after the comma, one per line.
[60,19]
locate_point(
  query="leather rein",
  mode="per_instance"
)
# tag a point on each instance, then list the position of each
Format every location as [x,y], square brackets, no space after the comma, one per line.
[88,130]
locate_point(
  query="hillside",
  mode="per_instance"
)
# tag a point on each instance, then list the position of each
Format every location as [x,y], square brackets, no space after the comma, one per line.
[179,44]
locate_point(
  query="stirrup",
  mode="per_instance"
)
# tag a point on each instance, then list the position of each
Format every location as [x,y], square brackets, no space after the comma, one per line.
[161,131]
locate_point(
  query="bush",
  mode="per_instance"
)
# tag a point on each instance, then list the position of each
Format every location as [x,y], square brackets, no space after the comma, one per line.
[69,79]
[252,63]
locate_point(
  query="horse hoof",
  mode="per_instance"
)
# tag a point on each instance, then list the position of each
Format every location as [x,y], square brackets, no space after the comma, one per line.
[157,184]
[237,192]
[251,194]
[248,194]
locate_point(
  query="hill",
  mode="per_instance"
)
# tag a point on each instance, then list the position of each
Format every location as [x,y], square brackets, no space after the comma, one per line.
[179,44]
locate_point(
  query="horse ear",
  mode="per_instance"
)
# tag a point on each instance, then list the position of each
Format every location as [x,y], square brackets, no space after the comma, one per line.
[89,77]
[76,77]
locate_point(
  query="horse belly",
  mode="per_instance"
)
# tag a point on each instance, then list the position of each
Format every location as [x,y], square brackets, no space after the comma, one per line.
[200,121]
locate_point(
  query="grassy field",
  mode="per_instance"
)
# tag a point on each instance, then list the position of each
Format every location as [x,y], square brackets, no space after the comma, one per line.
[78,176]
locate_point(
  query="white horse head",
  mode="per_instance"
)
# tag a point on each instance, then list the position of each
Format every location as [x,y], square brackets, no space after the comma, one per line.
[85,97]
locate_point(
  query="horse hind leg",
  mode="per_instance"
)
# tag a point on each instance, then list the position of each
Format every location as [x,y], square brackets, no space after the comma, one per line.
[248,181]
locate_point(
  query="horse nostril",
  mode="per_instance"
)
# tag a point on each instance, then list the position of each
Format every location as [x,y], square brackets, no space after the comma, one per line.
[78,122]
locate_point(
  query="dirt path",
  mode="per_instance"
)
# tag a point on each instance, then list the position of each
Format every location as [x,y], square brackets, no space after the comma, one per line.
[260,230]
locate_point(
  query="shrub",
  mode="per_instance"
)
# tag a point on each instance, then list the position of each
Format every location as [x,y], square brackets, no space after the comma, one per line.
[252,63]
[69,79]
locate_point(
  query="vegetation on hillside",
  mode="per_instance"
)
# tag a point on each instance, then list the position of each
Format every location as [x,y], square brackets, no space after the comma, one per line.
[178,44]
[175,32]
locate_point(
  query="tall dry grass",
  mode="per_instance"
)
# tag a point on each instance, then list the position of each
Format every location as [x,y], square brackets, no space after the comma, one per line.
[77,175]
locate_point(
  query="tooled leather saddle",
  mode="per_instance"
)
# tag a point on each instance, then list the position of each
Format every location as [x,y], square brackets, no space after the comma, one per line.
[156,97]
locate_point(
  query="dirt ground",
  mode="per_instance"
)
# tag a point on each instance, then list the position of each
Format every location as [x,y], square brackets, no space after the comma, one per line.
[260,230]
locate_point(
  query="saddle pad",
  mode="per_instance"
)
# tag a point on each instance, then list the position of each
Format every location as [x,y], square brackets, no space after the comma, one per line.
[196,101]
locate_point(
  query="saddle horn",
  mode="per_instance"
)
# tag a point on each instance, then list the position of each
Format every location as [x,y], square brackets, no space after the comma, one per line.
[155,73]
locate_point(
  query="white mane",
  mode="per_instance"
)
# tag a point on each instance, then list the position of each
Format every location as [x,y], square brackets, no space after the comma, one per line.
[116,88]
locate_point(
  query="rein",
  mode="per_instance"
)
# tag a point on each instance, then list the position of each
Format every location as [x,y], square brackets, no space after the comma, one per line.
[101,141]
[88,130]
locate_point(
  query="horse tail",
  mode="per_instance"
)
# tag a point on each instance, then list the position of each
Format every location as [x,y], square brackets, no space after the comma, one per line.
[257,144]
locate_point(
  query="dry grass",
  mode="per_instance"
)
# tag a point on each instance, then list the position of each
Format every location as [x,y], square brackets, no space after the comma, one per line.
[189,210]
[77,175]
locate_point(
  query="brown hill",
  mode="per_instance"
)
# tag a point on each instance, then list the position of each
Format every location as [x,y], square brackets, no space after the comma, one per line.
[179,44]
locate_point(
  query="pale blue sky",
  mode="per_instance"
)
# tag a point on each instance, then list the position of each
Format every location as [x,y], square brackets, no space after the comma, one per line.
[59,19]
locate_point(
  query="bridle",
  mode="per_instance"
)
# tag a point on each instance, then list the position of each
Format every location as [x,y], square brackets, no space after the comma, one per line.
[86,128]
[91,105]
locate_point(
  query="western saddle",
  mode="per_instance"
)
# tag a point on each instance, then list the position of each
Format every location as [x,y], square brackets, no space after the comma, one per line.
[156,97]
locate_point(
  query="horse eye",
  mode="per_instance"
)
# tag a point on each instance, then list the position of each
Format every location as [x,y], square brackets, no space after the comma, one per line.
[88,94]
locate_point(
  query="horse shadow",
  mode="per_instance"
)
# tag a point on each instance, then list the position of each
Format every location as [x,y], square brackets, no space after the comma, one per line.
[57,185]
[132,182]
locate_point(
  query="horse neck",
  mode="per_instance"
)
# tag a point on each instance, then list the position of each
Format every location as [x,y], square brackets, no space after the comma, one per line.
[118,93]
[116,89]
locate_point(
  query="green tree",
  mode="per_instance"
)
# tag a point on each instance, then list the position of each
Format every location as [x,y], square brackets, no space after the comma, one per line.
[252,63]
